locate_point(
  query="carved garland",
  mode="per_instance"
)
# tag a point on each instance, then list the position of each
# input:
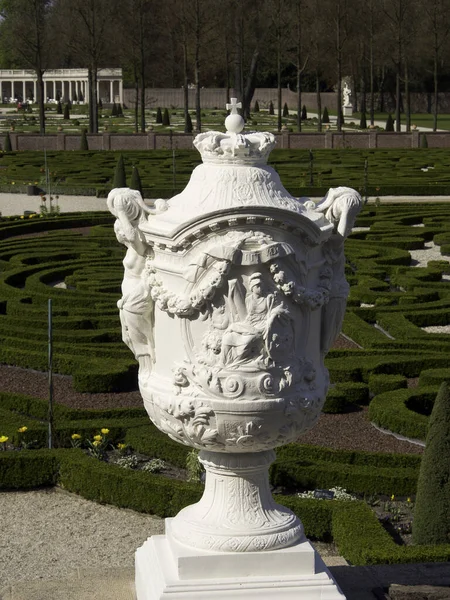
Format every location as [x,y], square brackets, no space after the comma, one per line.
[183,305]
[300,295]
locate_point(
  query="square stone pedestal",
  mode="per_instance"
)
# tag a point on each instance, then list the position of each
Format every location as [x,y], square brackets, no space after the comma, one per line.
[347,111]
[167,569]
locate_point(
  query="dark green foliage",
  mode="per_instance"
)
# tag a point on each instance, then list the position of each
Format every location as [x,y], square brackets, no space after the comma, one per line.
[389,410]
[59,109]
[285,110]
[188,124]
[66,112]
[325,116]
[136,183]
[158,118]
[271,108]
[423,141]
[378,384]
[120,179]
[166,118]
[114,110]
[100,103]
[84,141]
[119,110]
[256,107]
[431,523]
[27,469]
[316,516]
[7,143]
[389,124]
[81,97]
[304,114]
[363,121]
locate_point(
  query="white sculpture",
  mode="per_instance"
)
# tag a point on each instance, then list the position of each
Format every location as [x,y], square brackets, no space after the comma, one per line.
[346,94]
[231,298]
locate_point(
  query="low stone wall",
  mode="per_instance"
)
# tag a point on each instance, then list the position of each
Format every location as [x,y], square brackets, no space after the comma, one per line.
[161,141]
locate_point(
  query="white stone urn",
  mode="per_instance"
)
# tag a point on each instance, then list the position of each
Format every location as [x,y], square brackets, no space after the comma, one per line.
[233,293]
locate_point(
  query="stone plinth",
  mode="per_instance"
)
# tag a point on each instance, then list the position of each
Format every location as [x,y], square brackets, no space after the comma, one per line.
[167,569]
[347,111]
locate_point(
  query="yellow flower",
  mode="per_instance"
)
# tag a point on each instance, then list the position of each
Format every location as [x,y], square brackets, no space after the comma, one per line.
[22,429]
[76,436]
[13,183]
[3,439]
[98,438]
[104,431]
[408,500]
[96,443]
[121,446]
[393,497]
[22,217]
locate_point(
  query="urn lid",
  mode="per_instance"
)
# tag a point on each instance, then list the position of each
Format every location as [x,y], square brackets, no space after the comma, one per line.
[233,175]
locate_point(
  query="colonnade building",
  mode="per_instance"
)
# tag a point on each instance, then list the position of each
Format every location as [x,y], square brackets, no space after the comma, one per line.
[18,85]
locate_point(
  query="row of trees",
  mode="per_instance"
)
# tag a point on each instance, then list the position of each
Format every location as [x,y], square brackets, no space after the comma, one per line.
[386,46]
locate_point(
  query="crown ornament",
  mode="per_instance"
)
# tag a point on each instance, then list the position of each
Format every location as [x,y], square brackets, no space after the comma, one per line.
[234,147]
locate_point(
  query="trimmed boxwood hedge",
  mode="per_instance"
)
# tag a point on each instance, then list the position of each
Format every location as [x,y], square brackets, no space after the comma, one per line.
[392,411]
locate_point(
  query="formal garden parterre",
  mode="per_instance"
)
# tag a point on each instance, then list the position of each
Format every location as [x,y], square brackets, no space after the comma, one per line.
[165,172]
[390,302]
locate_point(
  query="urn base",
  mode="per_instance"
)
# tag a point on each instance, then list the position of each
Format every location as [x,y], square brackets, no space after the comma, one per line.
[167,569]
[237,512]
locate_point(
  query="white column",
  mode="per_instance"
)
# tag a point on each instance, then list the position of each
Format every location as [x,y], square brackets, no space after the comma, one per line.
[34,90]
[111,91]
[24,93]
[98,90]
[121,91]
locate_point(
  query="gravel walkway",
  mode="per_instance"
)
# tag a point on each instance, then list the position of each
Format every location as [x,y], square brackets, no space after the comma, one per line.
[48,534]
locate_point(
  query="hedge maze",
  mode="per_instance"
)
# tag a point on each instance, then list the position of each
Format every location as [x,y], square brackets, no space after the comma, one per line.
[163,172]
[395,367]
[86,331]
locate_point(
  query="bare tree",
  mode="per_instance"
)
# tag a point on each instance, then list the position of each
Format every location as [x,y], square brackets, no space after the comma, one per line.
[437,28]
[395,12]
[137,20]
[90,22]
[301,56]
[26,31]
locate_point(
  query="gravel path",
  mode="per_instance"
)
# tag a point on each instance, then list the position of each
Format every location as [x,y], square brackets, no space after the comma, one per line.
[47,534]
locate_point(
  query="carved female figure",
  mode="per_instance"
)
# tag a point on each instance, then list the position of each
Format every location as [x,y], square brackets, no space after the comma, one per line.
[136,306]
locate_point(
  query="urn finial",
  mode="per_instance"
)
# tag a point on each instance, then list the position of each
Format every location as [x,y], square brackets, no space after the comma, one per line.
[234,122]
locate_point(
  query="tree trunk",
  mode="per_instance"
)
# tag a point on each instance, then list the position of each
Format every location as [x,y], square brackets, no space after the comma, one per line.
[372,92]
[398,127]
[435,107]
[319,102]
[40,99]
[279,95]
[407,99]
[142,74]
[250,85]
[91,98]
[238,60]
[136,102]
[186,81]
